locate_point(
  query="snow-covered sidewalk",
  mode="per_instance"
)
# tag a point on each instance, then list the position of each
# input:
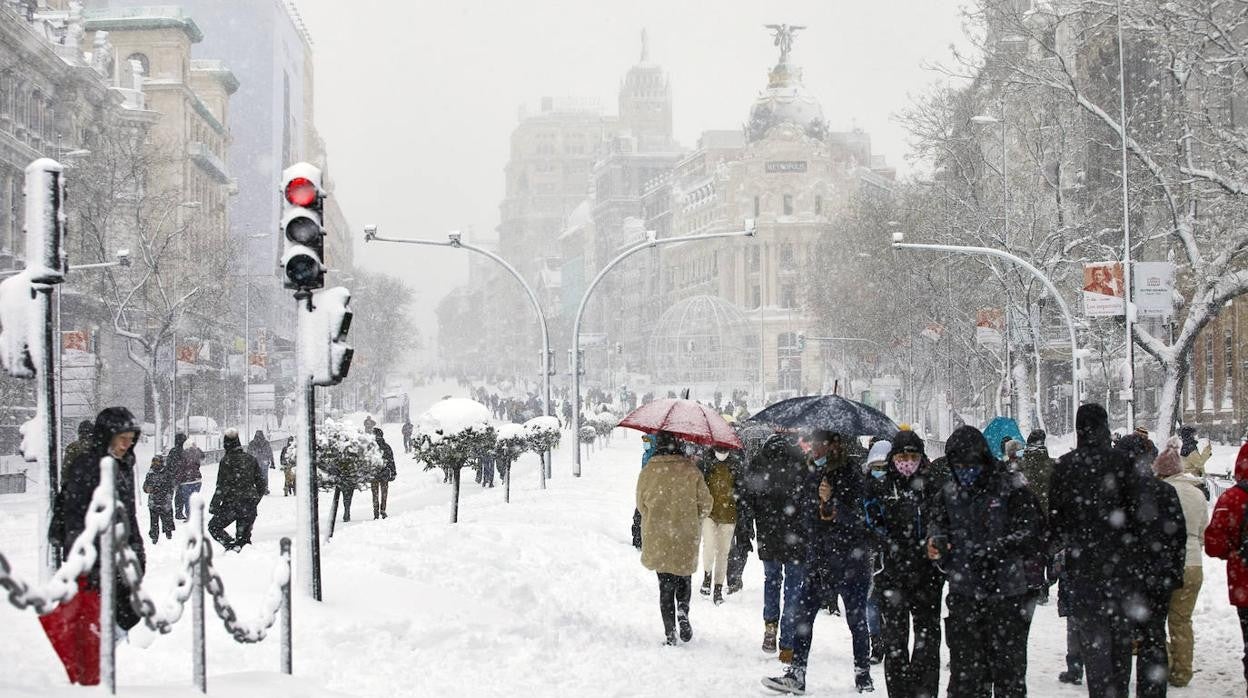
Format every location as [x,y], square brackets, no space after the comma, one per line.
[541,597]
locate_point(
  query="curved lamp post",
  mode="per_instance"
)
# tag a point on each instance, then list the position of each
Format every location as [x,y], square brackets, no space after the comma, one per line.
[1061,302]
[454,239]
[580,311]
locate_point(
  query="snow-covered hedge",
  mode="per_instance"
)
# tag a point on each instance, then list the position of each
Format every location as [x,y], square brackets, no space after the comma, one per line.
[543,433]
[458,434]
[345,456]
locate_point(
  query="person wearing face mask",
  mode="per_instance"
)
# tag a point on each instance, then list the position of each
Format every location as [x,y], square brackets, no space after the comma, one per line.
[875,466]
[718,528]
[983,529]
[908,585]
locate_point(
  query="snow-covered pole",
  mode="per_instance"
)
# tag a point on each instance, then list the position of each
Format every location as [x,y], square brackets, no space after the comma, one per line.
[287,654]
[45,264]
[199,654]
[1128,308]
[108,579]
[309,545]
[454,239]
[651,241]
[1061,302]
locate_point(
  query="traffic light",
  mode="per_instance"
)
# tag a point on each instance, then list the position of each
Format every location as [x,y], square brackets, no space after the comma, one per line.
[801,341]
[303,231]
[329,353]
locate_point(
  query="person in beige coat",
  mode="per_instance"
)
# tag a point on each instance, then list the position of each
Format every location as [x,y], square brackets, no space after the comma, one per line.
[673,499]
[1170,466]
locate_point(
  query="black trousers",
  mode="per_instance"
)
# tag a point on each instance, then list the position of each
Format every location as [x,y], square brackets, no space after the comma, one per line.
[160,516]
[1074,656]
[1105,644]
[242,516]
[636,528]
[347,494]
[738,555]
[674,592]
[1152,663]
[911,673]
[988,646]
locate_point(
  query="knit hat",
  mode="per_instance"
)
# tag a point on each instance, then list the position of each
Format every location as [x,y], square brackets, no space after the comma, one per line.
[1169,462]
[879,452]
[1037,437]
[1012,447]
[906,440]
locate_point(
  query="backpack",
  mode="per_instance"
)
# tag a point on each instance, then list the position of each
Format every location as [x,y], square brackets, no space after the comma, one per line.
[1243,526]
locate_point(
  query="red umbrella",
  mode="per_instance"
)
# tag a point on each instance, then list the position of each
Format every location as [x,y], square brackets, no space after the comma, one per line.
[691,421]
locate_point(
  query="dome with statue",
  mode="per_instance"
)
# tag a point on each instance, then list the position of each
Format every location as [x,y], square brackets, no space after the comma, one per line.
[785,100]
[704,339]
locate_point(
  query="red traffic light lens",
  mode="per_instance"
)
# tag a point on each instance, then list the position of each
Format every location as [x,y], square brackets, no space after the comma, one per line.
[300,191]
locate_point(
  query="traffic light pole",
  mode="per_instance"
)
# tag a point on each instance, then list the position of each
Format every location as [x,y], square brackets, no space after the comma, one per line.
[308,540]
[580,312]
[454,240]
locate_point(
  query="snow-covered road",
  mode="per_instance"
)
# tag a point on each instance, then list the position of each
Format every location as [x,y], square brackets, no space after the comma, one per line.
[540,597]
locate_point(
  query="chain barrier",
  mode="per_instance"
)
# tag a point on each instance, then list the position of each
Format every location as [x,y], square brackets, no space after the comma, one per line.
[258,629]
[159,620]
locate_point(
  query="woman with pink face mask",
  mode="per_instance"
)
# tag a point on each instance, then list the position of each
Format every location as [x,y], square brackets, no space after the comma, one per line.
[907,588]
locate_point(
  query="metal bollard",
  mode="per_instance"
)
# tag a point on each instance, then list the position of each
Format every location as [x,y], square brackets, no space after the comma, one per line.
[199,656]
[287,656]
[108,581]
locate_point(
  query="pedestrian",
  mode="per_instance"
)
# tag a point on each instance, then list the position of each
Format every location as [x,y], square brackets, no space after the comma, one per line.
[1012,451]
[1156,563]
[1224,539]
[79,446]
[288,468]
[875,465]
[1194,458]
[773,484]
[159,486]
[381,486]
[76,638]
[407,435]
[485,473]
[1036,466]
[239,489]
[187,474]
[673,499]
[984,528]
[838,558]
[647,450]
[369,424]
[718,528]
[1169,467]
[741,546]
[260,449]
[1092,503]
[908,585]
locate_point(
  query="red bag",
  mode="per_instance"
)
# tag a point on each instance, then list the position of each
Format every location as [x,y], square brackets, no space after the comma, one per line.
[74,631]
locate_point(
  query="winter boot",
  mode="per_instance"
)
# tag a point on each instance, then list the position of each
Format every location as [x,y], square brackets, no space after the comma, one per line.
[769,636]
[671,639]
[686,630]
[1071,677]
[793,683]
[862,680]
[734,587]
[718,597]
[877,649]
[706,584]
[786,655]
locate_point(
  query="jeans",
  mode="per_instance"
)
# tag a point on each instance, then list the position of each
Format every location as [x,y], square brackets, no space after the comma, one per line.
[988,646]
[347,494]
[873,616]
[1182,603]
[182,498]
[381,490]
[788,576]
[851,582]
[674,592]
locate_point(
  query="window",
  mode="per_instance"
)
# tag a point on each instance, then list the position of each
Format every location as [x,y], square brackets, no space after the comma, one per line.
[788,204]
[757,206]
[1209,372]
[756,297]
[1229,360]
[144,64]
[818,205]
[788,296]
[786,258]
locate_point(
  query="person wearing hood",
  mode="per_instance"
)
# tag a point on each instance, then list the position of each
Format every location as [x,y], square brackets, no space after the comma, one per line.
[114,434]
[718,528]
[240,486]
[984,528]
[78,447]
[1156,563]
[837,560]
[647,451]
[175,462]
[908,585]
[260,449]
[1224,540]
[1194,459]
[1093,497]
[159,486]
[1169,467]
[1036,466]
[772,485]
[875,465]
[673,499]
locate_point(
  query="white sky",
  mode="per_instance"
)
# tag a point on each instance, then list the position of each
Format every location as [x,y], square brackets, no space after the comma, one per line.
[417,100]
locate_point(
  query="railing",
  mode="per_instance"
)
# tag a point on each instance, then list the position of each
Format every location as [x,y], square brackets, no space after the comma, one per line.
[107,525]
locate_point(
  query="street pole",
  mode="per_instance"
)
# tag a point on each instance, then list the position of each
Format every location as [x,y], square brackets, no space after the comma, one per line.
[580,312]
[1061,302]
[1126,232]
[309,543]
[454,240]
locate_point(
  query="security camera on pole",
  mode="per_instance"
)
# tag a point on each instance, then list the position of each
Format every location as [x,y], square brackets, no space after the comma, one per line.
[303,270]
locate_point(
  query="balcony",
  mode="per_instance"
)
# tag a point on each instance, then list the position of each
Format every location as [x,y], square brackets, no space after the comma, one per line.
[208,162]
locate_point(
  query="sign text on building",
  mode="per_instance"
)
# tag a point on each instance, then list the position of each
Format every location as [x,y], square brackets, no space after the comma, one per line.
[786,166]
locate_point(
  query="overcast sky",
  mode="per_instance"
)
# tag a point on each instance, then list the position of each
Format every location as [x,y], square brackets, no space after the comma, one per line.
[417,100]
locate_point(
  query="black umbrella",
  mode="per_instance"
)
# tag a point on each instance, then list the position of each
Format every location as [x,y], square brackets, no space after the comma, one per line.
[831,412]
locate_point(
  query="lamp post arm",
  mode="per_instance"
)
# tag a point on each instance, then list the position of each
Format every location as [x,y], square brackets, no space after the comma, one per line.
[1061,302]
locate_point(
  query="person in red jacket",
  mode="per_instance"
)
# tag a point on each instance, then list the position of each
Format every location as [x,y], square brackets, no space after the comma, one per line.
[1222,539]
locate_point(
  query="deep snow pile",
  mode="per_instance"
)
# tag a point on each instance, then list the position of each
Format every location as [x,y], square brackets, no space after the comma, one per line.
[544,597]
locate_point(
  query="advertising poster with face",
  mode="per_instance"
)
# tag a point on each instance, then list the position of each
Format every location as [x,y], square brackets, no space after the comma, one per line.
[1103,289]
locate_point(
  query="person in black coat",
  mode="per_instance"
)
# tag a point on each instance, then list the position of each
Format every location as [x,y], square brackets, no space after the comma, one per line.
[774,482]
[381,486]
[1093,498]
[159,486]
[908,586]
[114,434]
[984,529]
[240,486]
[1156,563]
[837,559]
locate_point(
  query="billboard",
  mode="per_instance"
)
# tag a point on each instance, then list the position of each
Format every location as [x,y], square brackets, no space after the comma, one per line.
[989,327]
[1152,289]
[1103,294]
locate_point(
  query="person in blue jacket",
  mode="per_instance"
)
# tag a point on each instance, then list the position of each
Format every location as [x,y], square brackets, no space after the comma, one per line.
[647,451]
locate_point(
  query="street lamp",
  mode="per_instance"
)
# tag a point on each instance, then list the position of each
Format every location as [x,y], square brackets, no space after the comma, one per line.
[898,243]
[247,338]
[173,384]
[986,119]
[650,241]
